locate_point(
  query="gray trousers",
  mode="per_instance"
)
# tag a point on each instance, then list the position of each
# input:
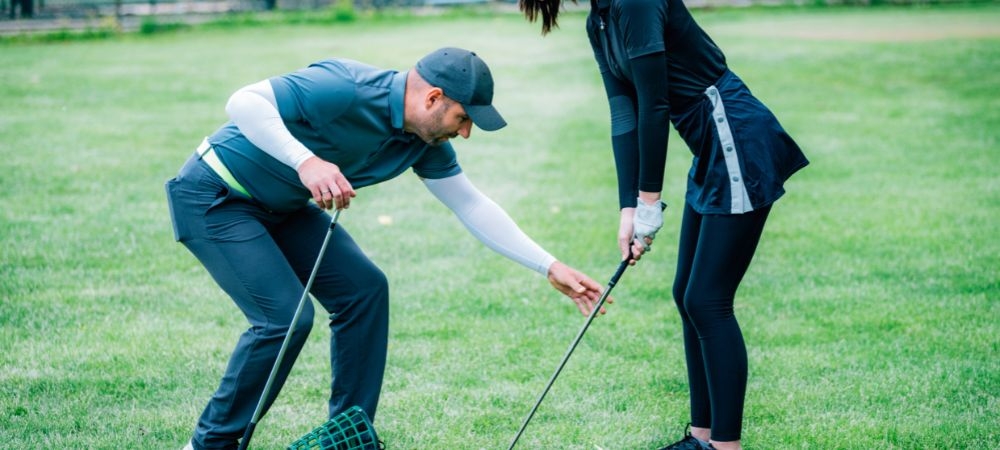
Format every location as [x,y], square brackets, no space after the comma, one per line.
[262,260]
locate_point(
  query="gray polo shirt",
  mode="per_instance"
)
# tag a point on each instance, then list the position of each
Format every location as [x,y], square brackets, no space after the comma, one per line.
[347,113]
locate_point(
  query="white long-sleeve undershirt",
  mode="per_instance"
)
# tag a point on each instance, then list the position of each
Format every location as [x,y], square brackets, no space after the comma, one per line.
[253,108]
[489,223]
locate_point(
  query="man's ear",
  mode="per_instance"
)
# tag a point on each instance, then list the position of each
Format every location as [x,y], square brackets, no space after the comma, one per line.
[434,95]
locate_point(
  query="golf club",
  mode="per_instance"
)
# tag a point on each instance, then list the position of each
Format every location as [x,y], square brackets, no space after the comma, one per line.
[590,318]
[245,442]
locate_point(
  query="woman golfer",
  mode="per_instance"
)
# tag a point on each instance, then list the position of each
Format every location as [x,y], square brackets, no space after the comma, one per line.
[659,67]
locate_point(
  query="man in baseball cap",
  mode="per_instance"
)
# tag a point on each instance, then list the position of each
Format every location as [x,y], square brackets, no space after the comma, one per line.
[465,78]
[251,204]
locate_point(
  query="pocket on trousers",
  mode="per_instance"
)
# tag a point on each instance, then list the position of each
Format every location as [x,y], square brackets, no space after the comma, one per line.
[181,230]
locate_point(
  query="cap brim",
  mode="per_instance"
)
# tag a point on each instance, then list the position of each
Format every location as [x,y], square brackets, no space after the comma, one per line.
[486,117]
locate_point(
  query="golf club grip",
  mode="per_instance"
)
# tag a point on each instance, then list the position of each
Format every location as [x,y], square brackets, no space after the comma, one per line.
[259,410]
[597,308]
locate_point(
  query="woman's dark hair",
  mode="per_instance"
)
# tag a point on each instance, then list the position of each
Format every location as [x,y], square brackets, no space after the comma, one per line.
[548,9]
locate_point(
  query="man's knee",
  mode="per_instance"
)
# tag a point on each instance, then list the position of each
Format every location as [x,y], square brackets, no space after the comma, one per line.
[368,297]
[372,288]
[277,328]
[376,298]
[376,284]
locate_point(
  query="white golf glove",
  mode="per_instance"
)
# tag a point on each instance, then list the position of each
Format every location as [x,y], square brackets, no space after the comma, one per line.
[647,221]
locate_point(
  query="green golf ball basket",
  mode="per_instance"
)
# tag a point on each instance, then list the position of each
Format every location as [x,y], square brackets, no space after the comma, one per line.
[349,430]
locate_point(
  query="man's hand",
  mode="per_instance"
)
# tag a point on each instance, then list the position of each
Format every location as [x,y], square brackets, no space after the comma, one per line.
[584,291]
[329,187]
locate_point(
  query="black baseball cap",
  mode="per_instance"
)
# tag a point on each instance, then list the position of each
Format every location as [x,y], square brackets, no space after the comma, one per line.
[465,78]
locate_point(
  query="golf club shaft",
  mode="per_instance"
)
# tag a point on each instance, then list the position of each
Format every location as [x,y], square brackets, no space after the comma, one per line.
[245,442]
[590,318]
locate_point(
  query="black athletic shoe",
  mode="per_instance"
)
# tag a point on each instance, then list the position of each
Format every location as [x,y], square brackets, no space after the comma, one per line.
[688,443]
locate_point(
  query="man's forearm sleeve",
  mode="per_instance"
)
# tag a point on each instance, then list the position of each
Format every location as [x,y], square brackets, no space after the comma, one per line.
[489,223]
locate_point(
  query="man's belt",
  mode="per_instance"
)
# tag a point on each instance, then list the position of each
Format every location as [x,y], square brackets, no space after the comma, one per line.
[207,154]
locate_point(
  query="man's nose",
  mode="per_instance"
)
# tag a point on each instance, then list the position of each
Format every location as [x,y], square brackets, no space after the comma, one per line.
[466,130]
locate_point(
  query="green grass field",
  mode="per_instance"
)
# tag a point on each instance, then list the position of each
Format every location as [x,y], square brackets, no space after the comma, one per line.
[871,310]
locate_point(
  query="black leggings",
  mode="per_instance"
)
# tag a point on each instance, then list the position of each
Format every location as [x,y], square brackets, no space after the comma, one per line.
[713,255]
